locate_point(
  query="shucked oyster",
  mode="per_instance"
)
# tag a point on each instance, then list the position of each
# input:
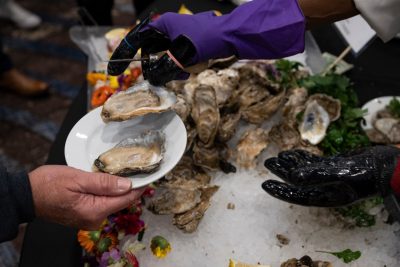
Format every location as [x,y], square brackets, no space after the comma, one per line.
[320,111]
[139,154]
[137,101]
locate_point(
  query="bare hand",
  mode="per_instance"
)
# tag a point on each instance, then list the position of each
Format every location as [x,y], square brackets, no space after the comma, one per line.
[79,199]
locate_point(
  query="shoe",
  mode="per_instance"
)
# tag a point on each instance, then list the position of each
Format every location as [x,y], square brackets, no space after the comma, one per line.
[23,18]
[15,81]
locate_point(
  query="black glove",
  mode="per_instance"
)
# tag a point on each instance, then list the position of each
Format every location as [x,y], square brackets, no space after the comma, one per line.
[151,41]
[334,181]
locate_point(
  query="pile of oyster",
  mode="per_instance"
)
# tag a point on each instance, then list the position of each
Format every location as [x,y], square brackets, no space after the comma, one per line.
[214,105]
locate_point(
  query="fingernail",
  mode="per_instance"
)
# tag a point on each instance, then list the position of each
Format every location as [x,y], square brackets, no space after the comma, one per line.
[124,184]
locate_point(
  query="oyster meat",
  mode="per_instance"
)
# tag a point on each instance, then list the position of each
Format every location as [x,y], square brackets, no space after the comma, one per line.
[137,101]
[139,154]
[205,114]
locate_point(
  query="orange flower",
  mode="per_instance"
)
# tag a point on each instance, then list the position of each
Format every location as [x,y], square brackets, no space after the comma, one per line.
[85,240]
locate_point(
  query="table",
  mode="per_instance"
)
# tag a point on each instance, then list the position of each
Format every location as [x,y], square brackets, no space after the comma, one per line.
[375,74]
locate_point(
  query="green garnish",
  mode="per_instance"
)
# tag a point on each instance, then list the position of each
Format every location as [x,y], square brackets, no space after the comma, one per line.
[394,107]
[346,255]
[359,212]
[345,133]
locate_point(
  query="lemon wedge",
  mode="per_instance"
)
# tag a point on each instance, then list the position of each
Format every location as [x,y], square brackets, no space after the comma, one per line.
[233,263]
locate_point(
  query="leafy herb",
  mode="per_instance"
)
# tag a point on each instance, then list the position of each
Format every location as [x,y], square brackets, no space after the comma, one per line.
[394,107]
[359,212]
[345,133]
[346,255]
[287,72]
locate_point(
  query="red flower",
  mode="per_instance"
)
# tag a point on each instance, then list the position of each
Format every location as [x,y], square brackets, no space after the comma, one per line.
[130,223]
[132,260]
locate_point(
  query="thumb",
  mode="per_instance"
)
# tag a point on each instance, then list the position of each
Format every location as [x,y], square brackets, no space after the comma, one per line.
[103,184]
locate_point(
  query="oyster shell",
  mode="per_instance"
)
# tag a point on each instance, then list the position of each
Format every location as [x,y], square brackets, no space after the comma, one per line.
[136,101]
[315,123]
[189,221]
[285,136]
[139,154]
[330,104]
[390,127]
[207,158]
[181,107]
[297,97]
[224,82]
[250,145]
[227,127]
[205,114]
[320,111]
[173,200]
[263,110]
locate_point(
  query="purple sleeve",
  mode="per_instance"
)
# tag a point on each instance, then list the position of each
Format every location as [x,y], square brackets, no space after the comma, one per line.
[260,29]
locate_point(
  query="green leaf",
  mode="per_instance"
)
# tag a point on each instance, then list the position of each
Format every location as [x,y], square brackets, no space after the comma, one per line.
[346,255]
[394,107]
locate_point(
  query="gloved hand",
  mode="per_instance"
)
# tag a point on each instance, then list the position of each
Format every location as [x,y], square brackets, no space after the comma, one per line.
[260,29]
[339,180]
[79,199]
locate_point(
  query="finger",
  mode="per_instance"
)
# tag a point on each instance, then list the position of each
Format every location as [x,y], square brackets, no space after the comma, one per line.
[103,184]
[164,70]
[328,195]
[299,157]
[278,167]
[126,49]
[109,205]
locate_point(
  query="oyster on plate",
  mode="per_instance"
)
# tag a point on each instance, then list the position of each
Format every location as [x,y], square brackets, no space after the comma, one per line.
[320,111]
[138,154]
[205,114]
[250,145]
[137,101]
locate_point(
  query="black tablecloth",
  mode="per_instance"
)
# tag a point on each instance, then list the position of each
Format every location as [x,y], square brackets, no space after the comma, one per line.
[376,73]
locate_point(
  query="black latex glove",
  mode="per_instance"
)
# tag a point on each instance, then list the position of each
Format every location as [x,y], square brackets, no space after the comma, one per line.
[151,41]
[333,181]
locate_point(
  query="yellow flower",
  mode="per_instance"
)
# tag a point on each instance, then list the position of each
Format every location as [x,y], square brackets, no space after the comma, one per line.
[160,246]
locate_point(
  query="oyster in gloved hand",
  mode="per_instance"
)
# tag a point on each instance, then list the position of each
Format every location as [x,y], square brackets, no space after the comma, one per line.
[134,155]
[138,100]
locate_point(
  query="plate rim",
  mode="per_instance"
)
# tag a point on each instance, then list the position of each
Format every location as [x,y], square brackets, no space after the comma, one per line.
[73,132]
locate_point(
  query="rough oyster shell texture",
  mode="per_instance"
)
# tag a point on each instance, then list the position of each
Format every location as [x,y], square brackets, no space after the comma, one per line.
[137,101]
[251,144]
[205,114]
[137,154]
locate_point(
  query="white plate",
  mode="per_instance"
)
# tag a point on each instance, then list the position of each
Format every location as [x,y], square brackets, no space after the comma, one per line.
[373,106]
[91,136]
